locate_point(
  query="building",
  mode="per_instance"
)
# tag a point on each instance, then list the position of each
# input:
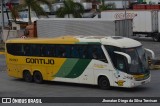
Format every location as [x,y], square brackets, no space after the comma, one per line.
[19,1]
[119,4]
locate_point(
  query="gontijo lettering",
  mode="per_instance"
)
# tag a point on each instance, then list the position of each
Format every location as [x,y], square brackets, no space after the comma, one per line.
[39,61]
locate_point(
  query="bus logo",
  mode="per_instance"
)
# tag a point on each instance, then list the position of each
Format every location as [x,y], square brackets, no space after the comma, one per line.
[6,100]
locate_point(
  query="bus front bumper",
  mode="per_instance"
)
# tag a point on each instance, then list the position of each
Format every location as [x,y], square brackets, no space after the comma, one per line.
[138,83]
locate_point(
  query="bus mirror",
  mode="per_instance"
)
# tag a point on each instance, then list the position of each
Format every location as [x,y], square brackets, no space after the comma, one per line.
[152,53]
[125,55]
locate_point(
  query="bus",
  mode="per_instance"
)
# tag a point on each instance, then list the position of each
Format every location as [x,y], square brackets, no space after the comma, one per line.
[97,60]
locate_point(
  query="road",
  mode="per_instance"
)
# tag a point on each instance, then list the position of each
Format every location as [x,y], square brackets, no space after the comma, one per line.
[11,87]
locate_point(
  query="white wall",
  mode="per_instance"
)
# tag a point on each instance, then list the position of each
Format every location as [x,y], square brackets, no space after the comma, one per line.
[118,3]
[5,19]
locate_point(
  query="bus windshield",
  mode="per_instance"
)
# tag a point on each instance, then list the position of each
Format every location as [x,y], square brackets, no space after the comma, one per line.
[139,64]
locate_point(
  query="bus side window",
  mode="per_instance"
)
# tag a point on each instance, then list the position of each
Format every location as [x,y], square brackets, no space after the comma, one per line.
[63,51]
[68,51]
[97,53]
[51,50]
[44,51]
[110,50]
[36,48]
[120,63]
[83,52]
[60,51]
[27,50]
[15,49]
[47,51]
[74,51]
[93,52]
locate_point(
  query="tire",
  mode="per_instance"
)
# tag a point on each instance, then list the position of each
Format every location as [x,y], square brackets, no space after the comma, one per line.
[103,83]
[27,76]
[37,77]
[156,37]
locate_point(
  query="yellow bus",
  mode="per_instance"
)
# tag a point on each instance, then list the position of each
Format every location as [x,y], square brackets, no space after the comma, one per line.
[97,60]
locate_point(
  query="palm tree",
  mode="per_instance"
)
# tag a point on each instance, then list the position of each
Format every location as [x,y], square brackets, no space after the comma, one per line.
[70,8]
[35,6]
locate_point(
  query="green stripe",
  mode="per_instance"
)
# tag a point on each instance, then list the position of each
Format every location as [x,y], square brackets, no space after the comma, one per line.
[79,68]
[66,67]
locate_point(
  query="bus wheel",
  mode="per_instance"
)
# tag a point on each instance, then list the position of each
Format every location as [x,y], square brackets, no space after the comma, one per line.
[103,82]
[27,76]
[37,76]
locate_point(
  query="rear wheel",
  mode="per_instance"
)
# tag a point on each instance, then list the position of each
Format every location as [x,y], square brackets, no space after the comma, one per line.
[37,76]
[27,76]
[103,82]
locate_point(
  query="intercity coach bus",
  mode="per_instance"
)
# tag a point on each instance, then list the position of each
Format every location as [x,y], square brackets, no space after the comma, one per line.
[96,60]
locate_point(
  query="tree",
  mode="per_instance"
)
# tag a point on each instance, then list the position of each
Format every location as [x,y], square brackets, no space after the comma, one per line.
[70,8]
[35,6]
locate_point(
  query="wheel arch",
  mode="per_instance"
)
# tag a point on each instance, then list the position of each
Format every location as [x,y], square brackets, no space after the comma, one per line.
[103,82]
[102,75]
[25,70]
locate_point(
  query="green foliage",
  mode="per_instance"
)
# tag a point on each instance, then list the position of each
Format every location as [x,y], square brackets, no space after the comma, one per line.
[35,6]
[103,7]
[70,8]
[108,6]
[111,5]
[88,0]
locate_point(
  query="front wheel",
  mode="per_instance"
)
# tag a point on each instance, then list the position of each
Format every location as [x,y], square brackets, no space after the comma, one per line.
[103,83]
[37,76]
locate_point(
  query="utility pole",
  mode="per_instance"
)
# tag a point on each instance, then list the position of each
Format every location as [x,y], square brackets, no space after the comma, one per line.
[125,14]
[2,14]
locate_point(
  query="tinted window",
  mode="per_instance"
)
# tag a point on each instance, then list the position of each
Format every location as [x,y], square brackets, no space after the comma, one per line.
[27,49]
[96,52]
[75,51]
[15,49]
[118,61]
[88,52]
[47,50]
[61,51]
[83,51]
[110,50]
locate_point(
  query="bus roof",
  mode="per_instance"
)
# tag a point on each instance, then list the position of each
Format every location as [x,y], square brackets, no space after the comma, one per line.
[117,41]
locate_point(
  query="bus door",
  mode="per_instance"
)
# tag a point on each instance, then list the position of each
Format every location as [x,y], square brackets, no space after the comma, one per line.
[119,65]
